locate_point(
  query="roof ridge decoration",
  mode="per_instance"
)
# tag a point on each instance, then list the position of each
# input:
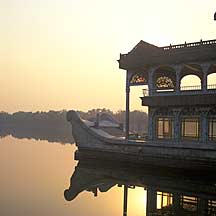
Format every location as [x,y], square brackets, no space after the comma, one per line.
[144,45]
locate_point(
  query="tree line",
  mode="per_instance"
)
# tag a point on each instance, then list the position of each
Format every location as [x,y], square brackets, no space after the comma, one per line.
[52,125]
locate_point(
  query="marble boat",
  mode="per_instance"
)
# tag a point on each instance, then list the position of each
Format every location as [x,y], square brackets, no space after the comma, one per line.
[181,119]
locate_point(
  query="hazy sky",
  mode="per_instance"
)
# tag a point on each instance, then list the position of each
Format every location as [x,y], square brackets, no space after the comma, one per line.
[62,54]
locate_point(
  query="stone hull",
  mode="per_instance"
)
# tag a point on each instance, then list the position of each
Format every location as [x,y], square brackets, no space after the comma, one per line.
[186,155]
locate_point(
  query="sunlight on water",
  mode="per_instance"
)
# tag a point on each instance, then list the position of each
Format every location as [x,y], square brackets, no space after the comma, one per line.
[34,175]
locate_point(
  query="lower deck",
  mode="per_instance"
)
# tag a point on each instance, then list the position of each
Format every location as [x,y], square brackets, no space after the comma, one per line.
[187,123]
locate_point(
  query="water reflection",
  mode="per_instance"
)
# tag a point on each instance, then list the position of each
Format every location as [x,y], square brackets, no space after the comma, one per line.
[169,192]
[34,175]
[60,135]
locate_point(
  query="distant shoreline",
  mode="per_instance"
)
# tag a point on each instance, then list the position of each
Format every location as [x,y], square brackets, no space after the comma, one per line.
[53,126]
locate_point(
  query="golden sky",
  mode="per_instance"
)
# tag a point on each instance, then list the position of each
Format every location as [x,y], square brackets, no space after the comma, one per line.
[62,54]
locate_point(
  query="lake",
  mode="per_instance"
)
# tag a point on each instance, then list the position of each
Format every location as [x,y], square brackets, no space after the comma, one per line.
[34,175]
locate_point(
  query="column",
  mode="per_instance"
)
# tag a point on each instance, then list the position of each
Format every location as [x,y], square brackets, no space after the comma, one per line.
[177,124]
[205,68]
[204,83]
[178,84]
[150,82]
[176,203]
[127,113]
[204,124]
[151,123]
[151,204]
[125,200]
[202,207]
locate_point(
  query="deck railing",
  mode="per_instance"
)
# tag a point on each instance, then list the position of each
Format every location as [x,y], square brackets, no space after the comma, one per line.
[191,88]
[181,46]
[212,86]
[183,90]
[189,45]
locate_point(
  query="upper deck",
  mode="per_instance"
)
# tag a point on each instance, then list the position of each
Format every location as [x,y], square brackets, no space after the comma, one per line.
[162,69]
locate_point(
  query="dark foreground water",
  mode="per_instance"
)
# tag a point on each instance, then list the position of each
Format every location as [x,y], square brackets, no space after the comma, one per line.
[35,174]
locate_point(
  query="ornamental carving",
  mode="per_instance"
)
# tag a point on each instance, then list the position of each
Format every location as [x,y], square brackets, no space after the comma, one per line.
[138,79]
[164,82]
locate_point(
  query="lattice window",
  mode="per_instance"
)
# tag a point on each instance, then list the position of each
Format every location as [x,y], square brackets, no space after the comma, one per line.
[212,129]
[164,128]
[164,82]
[190,128]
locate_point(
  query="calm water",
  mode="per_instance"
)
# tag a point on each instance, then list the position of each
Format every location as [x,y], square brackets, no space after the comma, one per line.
[34,175]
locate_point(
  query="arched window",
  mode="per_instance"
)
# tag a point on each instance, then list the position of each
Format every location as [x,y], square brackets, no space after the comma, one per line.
[164,79]
[138,79]
[190,82]
[211,81]
[164,82]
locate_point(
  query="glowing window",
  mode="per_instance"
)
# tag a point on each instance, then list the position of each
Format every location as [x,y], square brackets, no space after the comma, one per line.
[164,128]
[190,128]
[212,129]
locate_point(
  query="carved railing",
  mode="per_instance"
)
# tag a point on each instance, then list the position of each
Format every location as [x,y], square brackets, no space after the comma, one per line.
[180,46]
[189,45]
[191,88]
[212,86]
[184,89]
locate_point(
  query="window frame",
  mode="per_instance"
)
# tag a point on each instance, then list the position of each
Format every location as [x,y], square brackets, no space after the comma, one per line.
[170,134]
[186,119]
[211,135]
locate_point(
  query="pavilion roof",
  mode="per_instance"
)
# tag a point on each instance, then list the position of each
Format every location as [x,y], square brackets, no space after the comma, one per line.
[145,54]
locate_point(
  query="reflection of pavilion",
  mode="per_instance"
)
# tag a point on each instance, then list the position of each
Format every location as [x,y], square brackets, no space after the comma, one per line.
[176,112]
[168,192]
[173,203]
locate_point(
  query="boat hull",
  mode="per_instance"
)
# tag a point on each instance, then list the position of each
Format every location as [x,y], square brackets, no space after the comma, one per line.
[93,144]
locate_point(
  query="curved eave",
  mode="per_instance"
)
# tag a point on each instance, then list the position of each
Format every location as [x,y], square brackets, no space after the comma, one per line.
[173,56]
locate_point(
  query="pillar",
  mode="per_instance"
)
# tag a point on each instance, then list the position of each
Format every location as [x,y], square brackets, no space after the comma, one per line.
[202,207]
[205,68]
[178,84]
[177,124]
[127,113]
[204,83]
[151,123]
[125,200]
[151,204]
[151,82]
[204,124]
[176,203]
